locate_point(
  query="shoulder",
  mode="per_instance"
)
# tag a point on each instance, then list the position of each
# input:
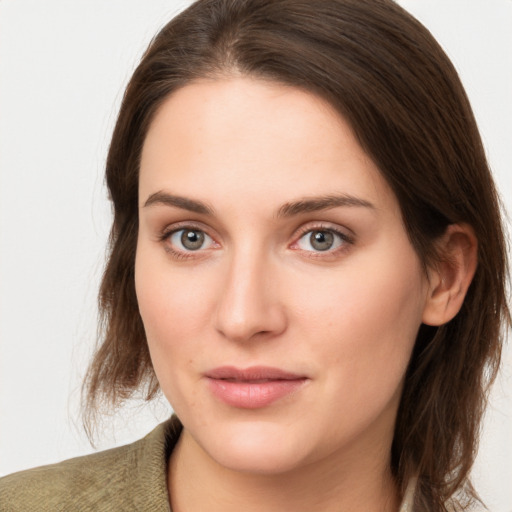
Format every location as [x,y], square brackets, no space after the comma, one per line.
[130,477]
[60,486]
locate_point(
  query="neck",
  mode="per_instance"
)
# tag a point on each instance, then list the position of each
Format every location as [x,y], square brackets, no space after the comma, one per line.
[361,482]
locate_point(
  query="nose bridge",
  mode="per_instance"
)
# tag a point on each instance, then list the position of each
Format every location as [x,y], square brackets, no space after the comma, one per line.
[248,303]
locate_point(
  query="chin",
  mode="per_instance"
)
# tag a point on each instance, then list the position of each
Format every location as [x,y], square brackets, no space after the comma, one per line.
[255,447]
[262,459]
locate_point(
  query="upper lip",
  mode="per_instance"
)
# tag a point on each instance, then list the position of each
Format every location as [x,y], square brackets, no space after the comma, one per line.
[254,373]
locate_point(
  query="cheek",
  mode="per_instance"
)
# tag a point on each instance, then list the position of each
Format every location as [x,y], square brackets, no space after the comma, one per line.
[173,307]
[365,319]
[169,297]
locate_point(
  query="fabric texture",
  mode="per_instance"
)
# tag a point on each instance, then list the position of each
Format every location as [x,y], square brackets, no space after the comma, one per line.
[128,478]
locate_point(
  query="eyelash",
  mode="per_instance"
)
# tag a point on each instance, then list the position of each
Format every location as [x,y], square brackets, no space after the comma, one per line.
[175,228]
[346,240]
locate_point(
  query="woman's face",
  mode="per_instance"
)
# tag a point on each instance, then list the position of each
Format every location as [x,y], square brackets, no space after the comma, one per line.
[279,291]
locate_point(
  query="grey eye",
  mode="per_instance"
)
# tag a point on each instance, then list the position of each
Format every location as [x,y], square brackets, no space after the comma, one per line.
[190,239]
[320,240]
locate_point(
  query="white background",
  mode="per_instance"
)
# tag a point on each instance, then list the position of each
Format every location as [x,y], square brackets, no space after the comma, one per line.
[63,67]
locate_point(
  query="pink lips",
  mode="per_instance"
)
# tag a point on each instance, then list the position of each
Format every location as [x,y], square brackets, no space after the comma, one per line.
[253,387]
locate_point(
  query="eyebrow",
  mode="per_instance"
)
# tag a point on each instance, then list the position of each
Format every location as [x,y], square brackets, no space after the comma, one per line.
[314,204]
[192,205]
[290,209]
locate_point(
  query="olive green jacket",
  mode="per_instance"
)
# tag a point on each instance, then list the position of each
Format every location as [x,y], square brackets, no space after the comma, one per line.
[128,478]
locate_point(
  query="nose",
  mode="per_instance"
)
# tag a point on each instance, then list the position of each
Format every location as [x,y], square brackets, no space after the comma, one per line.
[249,306]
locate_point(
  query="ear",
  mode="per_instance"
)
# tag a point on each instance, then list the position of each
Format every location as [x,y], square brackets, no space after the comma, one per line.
[449,280]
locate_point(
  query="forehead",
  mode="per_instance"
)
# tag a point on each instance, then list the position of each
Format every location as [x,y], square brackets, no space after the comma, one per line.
[254,138]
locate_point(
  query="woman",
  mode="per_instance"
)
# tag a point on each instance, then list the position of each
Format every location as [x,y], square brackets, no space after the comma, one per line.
[307,259]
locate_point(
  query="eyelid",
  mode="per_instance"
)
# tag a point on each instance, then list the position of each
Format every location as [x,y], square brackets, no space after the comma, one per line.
[206,239]
[185,224]
[324,226]
[348,239]
[166,234]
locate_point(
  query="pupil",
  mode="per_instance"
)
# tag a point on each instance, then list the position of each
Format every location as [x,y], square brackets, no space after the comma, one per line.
[192,240]
[322,240]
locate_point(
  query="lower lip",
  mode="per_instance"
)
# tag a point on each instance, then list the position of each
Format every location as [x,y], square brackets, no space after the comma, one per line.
[253,395]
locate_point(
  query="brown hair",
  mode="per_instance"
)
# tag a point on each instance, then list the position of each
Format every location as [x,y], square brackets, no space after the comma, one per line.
[384,72]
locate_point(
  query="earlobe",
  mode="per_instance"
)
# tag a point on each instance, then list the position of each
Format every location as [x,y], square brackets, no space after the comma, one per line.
[451,277]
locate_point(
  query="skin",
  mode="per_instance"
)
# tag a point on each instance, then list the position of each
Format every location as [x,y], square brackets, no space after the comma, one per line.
[257,292]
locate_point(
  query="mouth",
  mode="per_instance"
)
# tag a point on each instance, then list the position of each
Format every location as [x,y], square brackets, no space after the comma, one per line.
[253,388]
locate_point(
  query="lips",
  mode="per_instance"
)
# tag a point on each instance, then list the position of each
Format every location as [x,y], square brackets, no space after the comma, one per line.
[254,387]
